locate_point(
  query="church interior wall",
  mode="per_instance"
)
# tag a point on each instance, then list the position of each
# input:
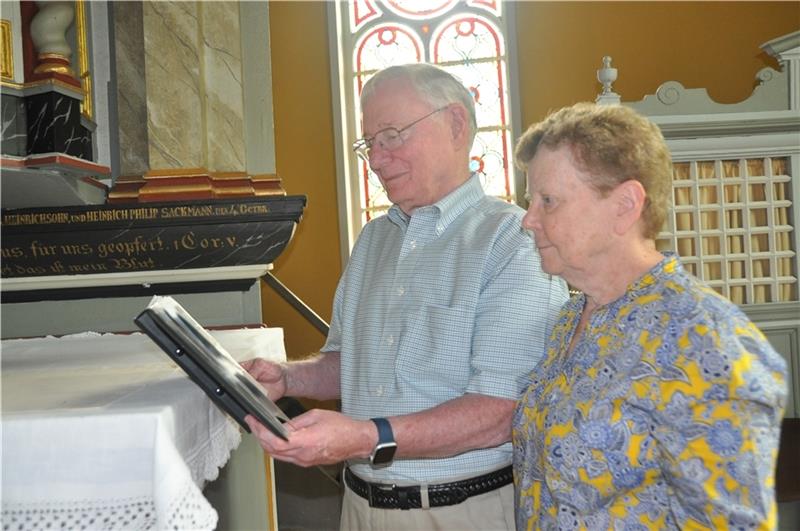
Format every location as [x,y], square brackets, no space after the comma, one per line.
[559,45]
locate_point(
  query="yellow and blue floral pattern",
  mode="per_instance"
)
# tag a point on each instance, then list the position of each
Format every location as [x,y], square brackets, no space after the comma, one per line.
[665,415]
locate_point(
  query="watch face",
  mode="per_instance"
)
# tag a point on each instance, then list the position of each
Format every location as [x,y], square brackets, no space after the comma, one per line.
[383,453]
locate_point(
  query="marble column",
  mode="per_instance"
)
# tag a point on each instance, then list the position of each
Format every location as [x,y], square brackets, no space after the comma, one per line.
[180,90]
[175,116]
[222,59]
[131,95]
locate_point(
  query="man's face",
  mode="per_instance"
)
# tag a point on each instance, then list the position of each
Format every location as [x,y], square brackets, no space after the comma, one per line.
[425,167]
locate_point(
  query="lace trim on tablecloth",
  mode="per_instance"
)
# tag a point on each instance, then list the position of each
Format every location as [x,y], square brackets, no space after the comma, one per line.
[189,510]
[124,514]
[205,464]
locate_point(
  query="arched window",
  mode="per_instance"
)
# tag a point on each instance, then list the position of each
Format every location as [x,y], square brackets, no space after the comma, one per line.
[467,38]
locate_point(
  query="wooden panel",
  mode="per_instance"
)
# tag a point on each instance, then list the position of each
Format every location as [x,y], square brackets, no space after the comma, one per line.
[781,324]
[784,340]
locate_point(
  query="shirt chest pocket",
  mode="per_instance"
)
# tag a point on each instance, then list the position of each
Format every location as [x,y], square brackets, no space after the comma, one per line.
[436,348]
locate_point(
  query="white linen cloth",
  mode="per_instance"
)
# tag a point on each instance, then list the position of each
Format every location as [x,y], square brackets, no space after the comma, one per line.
[104,431]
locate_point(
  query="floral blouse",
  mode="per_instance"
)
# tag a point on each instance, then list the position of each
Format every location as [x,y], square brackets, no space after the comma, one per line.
[666,415]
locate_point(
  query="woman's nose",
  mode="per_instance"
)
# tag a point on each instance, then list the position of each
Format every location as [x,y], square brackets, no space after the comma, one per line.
[530,220]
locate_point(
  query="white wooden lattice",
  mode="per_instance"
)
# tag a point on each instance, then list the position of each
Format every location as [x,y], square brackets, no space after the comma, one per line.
[736,189]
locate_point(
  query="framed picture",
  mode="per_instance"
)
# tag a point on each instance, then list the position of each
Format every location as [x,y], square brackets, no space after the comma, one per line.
[208,364]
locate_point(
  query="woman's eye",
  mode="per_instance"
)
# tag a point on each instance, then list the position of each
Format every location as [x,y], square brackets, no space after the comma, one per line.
[549,202]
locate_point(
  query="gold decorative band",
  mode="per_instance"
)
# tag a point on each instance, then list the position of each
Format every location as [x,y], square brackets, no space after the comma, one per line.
[72,90]
[84,73]
[53,63]
[6,55]
[176,184]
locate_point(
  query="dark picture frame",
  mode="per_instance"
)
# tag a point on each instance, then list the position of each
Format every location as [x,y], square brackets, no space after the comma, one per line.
[208,364]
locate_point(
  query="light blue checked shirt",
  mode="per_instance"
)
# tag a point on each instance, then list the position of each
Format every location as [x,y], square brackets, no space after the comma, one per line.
[449,301]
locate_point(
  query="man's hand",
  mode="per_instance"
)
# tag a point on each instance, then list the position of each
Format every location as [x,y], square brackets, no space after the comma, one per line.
[270,375]
[318,437]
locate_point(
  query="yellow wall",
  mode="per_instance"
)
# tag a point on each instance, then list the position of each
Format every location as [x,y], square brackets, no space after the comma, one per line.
[305,160]
[700,44]
[560,45]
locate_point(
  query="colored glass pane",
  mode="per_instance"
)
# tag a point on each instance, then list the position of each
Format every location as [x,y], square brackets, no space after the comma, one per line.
[362,11]
[493,6]
[420,9]
[466,39]
[488,158]
[386,45]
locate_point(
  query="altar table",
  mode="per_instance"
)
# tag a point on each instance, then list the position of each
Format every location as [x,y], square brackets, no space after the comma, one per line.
[104,431]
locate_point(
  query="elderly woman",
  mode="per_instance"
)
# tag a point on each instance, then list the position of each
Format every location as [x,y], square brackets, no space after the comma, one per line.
[658,403]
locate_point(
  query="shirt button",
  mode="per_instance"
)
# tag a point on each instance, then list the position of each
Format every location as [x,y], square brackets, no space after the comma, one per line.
[390,340]
[413,244]
[401,291]
[379,391]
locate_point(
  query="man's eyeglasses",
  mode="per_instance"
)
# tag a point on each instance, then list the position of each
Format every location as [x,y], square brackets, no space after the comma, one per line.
[389,139]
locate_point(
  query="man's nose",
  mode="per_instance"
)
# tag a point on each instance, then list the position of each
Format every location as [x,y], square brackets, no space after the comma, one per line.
[378,157]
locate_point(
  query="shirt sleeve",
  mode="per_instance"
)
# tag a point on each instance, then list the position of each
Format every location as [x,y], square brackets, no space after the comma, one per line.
[515,314]
[333,343]
[718,427]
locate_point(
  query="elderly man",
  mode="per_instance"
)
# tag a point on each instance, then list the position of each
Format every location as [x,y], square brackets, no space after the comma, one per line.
[441,313]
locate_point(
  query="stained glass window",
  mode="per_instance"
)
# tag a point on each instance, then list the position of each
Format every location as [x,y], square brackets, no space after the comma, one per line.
[466,38]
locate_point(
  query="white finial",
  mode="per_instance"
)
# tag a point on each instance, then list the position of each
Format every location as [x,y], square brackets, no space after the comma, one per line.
[606,76]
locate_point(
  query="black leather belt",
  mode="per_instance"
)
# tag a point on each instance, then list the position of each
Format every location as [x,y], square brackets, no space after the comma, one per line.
[385,496]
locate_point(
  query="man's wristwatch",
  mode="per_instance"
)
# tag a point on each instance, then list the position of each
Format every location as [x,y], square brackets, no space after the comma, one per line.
[383,453]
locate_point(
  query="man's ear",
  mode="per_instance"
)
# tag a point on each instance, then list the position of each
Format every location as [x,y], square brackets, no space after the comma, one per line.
[630,201]
[459,123]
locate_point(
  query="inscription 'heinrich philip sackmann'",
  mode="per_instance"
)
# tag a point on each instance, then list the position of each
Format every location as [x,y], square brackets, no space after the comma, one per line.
[116,238]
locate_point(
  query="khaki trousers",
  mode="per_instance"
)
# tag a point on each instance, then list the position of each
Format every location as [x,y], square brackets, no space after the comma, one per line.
[486,512]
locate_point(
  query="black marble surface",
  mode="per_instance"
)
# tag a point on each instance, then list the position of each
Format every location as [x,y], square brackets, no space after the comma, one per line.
[44,122]
[54,125]
[14,126]
[146,237]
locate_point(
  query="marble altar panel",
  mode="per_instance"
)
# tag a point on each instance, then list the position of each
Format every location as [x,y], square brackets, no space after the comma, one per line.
[54,125]
[222,59]
[176,127]
[131,87]
[14,125]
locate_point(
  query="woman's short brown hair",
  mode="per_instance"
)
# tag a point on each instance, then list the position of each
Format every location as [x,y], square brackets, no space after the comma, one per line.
[613,144]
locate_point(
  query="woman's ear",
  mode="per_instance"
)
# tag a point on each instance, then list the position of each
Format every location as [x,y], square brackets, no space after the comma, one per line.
[630,201]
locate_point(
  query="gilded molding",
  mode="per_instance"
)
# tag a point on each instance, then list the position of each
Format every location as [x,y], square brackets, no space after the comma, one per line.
[178,189]
[177,184]
[55,63]
[6,55]
[235,190]
[84,74]
[66,87]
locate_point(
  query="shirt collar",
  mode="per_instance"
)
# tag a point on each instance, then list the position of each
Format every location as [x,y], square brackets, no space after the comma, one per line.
[667,266]
[449,207]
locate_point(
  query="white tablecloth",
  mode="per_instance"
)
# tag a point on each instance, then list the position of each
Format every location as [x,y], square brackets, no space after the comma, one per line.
[106,432]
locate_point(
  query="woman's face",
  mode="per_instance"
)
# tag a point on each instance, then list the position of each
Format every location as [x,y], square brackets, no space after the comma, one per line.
[571,222]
